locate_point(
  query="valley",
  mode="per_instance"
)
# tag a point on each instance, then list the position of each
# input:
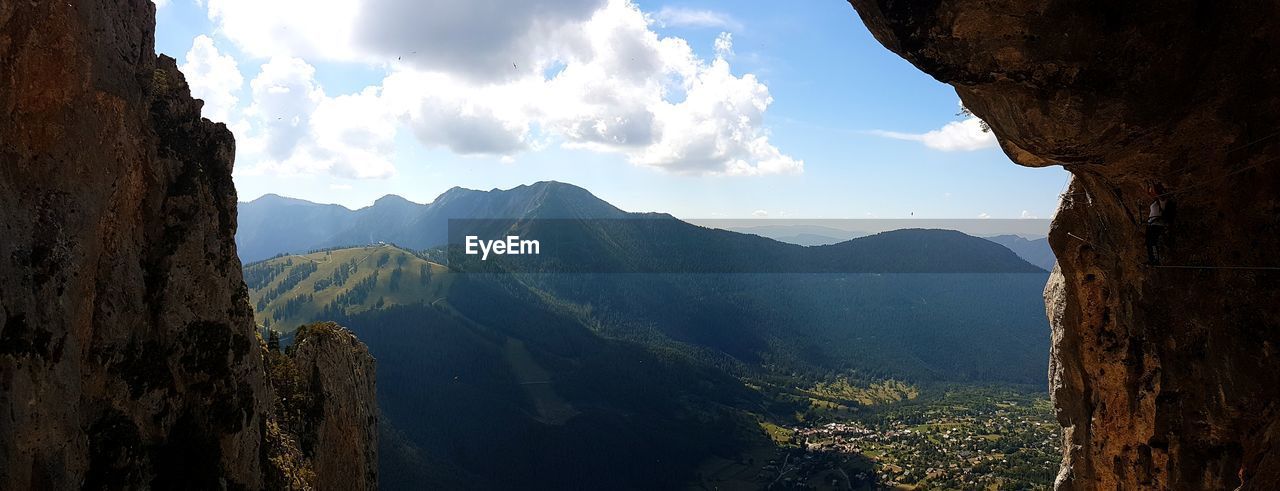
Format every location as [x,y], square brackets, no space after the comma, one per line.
[668,375]
[741,333]
[958,439]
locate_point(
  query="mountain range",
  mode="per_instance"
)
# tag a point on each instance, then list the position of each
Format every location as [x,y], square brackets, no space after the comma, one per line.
[805,235]
[1034,250]
[272,224]
[678,363]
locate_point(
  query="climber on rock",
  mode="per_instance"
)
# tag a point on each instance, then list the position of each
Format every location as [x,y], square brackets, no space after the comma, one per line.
[1158,218]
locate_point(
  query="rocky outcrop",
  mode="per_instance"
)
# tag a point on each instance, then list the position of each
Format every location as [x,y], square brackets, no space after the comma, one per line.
[128,357]
[326,409]
[1168,377]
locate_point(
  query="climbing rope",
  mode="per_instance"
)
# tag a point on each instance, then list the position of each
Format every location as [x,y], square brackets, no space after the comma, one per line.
[1255,142]
[1175,266]
[1103,250]
[1193,186]
[1219,178]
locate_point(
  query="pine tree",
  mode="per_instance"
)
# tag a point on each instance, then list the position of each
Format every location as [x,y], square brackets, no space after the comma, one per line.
[273,341]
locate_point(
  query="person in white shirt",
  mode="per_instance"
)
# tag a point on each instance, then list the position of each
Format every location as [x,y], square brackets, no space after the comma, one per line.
[1157,220]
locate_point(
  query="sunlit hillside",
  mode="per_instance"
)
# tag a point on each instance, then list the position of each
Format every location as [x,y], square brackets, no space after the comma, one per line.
[289,291]
[717,367]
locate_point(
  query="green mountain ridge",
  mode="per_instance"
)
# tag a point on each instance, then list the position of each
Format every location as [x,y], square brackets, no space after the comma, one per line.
[469,362]
[271,225]
[639,378]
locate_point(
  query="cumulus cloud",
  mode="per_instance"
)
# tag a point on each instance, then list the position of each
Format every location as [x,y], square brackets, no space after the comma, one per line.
[760,214]
[491,77]
[213,77]
[956,136]
[468,119]
[717,129]
[1028,214]
[724,45]
[482,39]
[313,29]
[984,215]
[685,17]
[619,90]
[293,127]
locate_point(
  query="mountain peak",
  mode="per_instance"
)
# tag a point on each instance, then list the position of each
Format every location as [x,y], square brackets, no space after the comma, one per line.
[271,197]
[555,185]
[392,199]
[276,199]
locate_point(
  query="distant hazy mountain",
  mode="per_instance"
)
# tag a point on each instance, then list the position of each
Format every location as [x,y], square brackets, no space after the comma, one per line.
[807,239]
[1034,251]
[805,235]
[613,241]
[271,225]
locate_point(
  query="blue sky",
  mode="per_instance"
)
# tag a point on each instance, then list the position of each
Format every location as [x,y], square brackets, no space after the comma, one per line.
[787,111]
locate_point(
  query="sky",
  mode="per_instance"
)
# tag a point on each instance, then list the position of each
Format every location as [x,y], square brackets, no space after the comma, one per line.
[744,109]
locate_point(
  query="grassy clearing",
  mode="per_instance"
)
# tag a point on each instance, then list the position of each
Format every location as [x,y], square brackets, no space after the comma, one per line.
[392,276]
[884,392]
[779,435]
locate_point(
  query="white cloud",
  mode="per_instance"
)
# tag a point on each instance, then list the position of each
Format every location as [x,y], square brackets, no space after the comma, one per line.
[984,215]
[724,45]
[161,3]
[294,128]
[315,29]
[956,136]
[491,77]
[214,77]
[617,91]
[1028,214]
[760,214]
[685,17]
[467,119]
[717,129]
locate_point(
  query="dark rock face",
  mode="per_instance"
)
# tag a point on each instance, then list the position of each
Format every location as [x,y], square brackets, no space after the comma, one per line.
[128,357]
[1163,377]
[326,408]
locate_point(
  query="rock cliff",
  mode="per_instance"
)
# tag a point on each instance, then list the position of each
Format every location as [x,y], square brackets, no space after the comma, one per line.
[128,357]
[325,397]
[1163,377]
